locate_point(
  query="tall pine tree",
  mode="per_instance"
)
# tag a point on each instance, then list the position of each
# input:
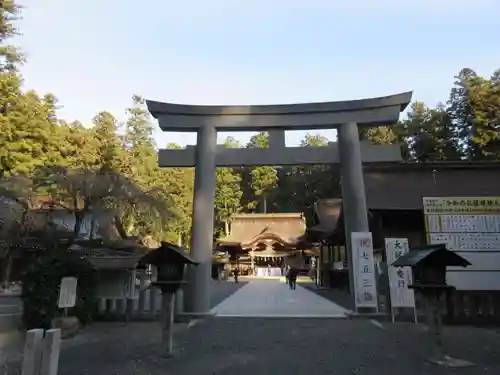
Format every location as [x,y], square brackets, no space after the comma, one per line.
[228,193]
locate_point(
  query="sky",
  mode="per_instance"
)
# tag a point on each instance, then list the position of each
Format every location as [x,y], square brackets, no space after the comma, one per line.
[94,54]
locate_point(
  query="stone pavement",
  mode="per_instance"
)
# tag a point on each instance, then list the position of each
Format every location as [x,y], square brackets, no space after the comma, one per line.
[272,299]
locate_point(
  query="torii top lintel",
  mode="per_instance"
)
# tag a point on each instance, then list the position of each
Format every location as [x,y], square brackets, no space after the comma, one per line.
[304,116]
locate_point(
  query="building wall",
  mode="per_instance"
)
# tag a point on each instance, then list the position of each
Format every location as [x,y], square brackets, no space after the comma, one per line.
[482,275]
[403,224]
[402,187]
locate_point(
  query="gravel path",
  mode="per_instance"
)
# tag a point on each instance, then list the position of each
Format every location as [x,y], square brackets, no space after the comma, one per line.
[244,346]
[250,346]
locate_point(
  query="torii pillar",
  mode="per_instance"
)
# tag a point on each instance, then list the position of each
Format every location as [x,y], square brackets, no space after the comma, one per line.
[346,116]
[197,291]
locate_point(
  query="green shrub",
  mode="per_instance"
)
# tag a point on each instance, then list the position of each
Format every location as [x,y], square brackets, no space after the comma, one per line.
[40,294]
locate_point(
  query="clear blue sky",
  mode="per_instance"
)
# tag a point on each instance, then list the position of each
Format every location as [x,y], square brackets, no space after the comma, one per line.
[94,54]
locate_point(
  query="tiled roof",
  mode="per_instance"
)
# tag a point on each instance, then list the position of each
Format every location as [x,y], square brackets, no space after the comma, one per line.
[248,229]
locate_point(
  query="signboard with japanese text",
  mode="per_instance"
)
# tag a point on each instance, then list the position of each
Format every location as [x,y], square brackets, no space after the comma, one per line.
[399,277]
[461,205]
[67,292]
[466,241]
[117,285]
[365,287]
[470,226]
[463,223]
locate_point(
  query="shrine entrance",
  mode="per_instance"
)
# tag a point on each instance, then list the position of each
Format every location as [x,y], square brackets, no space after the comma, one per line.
[264,244]
[345,116]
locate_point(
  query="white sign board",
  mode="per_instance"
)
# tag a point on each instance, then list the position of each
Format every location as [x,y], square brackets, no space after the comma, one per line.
[117,285]
[365,288]
[470,225]
[399,277]
[67,292]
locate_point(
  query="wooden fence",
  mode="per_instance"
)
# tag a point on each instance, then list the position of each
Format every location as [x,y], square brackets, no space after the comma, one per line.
[146,307]
[479,308]
[473,307]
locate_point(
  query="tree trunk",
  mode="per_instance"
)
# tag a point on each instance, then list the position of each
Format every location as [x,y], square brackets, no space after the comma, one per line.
[226,227]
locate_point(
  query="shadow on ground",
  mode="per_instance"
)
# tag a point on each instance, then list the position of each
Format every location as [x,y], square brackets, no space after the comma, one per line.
[287,346]
[221,290]
[131,335]
[244,346]
[340,297]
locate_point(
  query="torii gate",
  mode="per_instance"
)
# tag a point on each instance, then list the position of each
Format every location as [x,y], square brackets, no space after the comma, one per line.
[345,116]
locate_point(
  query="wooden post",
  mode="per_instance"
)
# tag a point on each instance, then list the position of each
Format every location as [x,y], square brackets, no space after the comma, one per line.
[179,305]
[142,293]
[152,300]
[32,352]
[168,302]
[51,349]
[434,327]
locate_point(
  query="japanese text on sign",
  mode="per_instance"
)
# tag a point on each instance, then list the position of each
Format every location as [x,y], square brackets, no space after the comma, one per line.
[399,277]
[364,270]
[67,292]
[451,205]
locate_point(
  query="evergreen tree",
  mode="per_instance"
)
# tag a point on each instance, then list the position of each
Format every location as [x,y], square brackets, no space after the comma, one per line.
[431,135]
[300,186]
[140,143]
[262,180]
[228,193]
[111,153]
[10,84]
[460,111]
[179,186]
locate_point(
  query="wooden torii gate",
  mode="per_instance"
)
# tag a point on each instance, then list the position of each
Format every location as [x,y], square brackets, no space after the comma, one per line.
[345,116]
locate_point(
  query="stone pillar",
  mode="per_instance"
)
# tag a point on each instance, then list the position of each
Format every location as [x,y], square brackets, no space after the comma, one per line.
[353,188]
[276,138]
[197,291]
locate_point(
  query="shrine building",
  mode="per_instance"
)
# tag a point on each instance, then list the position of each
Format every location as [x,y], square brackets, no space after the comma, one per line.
[265,244]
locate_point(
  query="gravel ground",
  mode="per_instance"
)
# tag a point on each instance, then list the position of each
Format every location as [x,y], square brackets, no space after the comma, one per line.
[286,346]
[112,333]
[245,346]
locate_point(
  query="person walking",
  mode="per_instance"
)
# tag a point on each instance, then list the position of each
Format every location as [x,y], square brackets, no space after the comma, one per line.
[236,273]
[292,277]
[312,275]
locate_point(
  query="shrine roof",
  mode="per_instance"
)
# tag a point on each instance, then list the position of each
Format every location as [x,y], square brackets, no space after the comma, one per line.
[114,262]
[166,253]
[436,254]
[248,229]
